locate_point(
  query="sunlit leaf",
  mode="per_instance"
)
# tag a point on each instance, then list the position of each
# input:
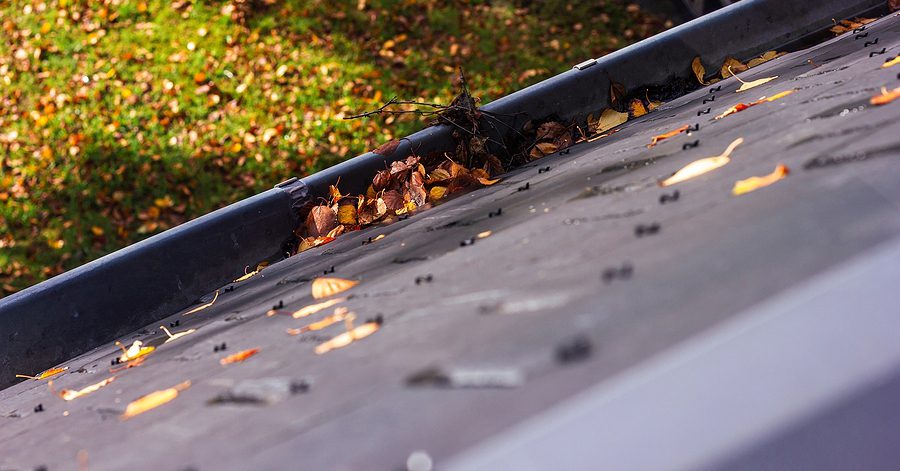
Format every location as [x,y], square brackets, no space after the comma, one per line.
[136,350]
[702,166]
[340,314]
[743,106]
[46,374]
[153,400]
[732,66]
[764,57]
[215,297]
[699,70]
[664,136]
[326,287]
[239,356]
[437,193]
[348,337]
[609,119]
[71,394]
[310,309]
[482,235]
[755,183]
[891,62]
[488,181]
[542,149]
[754,83]
[636,107]
[885,97]
[176,336]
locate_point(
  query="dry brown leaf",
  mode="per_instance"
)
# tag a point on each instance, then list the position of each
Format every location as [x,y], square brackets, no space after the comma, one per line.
[699,70]
[438,175]
[215,297]
[239,356]
[71,394]
[325,287]
[885,97]
[542,149]
[550,131]
[45,374]
[393,200]
[617,96]
[320,220]
[732,66]
[153,400]
[764,57]
[417,191]
[755,183]
[387,149]
[637,108]
[661,137]
[382,180]
[348,337]
[702,166]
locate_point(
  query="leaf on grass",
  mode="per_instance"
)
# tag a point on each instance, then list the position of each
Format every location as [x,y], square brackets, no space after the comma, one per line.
[637,108]
[45,374]
[340,314]
[176,336]
[891,62]
[699,167]
[656,139]
[153,400]
[755,183]
[699,70]
[136,350]
[71,394]
[238,357]
[755,83]
[732,66]
[885,97]
[325,287]
[348,337]
[387,149]
[206,305]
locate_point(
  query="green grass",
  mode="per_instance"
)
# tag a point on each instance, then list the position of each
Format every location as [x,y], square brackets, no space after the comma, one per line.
[122,118]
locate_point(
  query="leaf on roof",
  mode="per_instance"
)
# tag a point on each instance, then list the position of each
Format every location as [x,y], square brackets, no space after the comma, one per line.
[843,26]
[891,62]
[326,287]
[153,400]
[136,350]
[657,139]
[310,309]
[71,394]
[348,337]
[176,336]
[732,66]
[885,97]
[45,374]
[206,305]
[130,364]
[248,275]
[239,356]
[743,106]
[755,183]
[702,166]
[754,83]
[340,314]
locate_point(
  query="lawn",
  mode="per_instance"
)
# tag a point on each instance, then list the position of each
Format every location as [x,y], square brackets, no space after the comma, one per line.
[122,118]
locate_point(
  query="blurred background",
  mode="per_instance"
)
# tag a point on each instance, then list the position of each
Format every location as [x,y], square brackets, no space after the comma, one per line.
[122,118]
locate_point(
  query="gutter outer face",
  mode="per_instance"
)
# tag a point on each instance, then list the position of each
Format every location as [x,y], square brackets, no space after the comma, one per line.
[102,300]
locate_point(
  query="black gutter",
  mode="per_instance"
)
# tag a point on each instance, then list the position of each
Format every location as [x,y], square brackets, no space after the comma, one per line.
[130,288]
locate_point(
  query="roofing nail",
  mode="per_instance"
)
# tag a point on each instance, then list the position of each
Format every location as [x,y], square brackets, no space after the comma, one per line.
[526,187]
[690,145]
[544,169]
[469,241]
[703,112]
[576,349]
[39,408]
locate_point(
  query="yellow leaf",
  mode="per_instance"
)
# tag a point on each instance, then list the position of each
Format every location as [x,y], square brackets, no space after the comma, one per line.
[153,400]
[347,214]
[71,394]
[891,62]
[637,108]
[340,314]
[204,306]
[348,337]
[699,167]
[311,309]
[437,193]
[732,66]
[98,231]
[488,181]
[778,95]
[136,350]
[699,70]
[45,374]
[541,149]
[482,235]
[176,336]
[609,119]
[325,287]
[755,183]
[755,83]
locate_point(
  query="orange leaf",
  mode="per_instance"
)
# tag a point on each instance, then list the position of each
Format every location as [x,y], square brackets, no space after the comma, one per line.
[348,337]
[311,309]
[204,306]
[71,394]
[325,287]
[239,356]
[661,137]
[885,97]
[45,374]
[153,400]
[340,314]
[755,183]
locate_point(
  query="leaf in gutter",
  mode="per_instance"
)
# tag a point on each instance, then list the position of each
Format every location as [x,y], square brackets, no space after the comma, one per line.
[764,57]
[885,97]
[732,66]
[699,70]
[45,374]
[637,108]
[702,166]
[755,183]
[617,96]
[387,149]
[325,287]
[609,119]
[239,356]
[542,149]
[656,139]
[437,193]
[153,400]
[206,305]
[320,221]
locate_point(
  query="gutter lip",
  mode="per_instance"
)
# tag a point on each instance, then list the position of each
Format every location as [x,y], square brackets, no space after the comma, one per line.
[60,311]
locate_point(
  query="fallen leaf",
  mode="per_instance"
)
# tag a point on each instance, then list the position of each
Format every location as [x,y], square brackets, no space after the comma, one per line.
[885,97]
[891,62]
[348,337]
[387,149]
[699,70]
[246,276]
[743,106]
[153,400]
[130,364]
[173,337]
[542,149]
[488,181]
[238,357]
[699,167]
[71,394]
[438,175]
[755,183]
[310,309]
[206,305]
[764,57]
[45,374]
[617,96]
[732,66]
[340,314]
[637,108]
[755,83]
[664,136]
[320,221]
[609,119]
[136,350]
[347,212]
[482,235]
[325,287]
[437,193]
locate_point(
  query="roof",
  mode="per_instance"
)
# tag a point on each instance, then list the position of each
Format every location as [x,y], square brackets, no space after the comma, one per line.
[589,281]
